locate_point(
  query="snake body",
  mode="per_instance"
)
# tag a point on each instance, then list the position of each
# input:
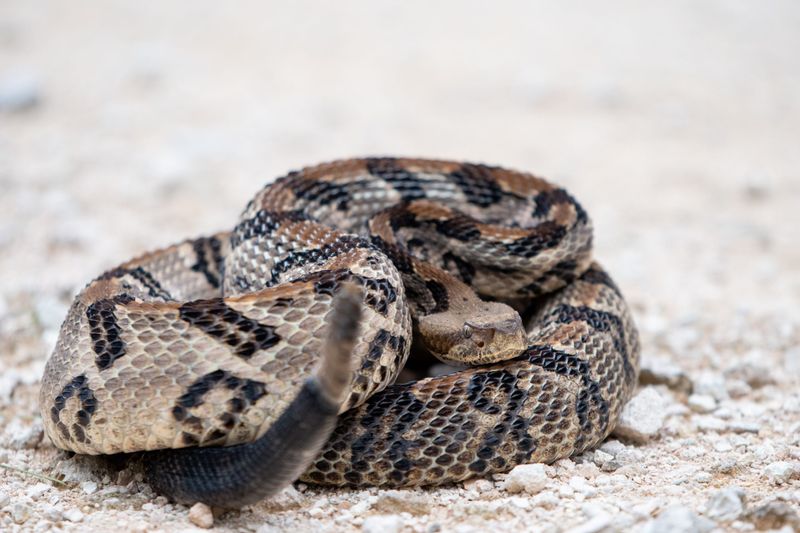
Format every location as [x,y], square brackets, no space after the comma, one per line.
[228,349]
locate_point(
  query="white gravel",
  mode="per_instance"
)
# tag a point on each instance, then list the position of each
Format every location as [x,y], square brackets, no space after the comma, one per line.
[644,415]
[678,519]
[19,91]
[383,524]
[200,515]
[702,403]
[73,515]
[781,472]
[531,479]
[123,128]
[726,505]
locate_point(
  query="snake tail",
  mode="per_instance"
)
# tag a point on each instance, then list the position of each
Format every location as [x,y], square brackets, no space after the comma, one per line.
[235,476]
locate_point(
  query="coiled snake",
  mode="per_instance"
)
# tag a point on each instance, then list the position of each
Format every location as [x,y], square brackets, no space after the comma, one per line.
[226,359]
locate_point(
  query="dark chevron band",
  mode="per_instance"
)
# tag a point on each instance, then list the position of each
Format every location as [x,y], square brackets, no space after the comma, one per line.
[105,332]
[211,267]
[216,319]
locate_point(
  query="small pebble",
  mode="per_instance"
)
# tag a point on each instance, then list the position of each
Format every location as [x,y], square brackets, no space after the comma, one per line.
[478,485]
[711,384]
[466,528]
[657,371]
[526,478]
[678,519]
[587,470]
[269,528]
[547,500]
[523,502]
[19,436]
[791,361]
[682,339]
[701,403]
[738,388]
[19,91]
[645,509]
[20,512]
[756,376]
[611,466]
[703,477]
[643,416]
[726,504]
[601,458]
[89,487]
[73,515]
[582,486]
[382,524]
[37,490]
[781,472]
[707,423]
[51,513]
[744,427]
[76,470]
[200,515]
[594,525]
[619,450]
[726,466]
[774,515]
[401,501]
[590,510]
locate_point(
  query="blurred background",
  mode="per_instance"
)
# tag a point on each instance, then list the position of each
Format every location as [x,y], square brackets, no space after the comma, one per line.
[127,125]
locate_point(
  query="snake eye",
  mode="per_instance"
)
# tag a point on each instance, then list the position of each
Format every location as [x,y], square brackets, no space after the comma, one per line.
[467,331]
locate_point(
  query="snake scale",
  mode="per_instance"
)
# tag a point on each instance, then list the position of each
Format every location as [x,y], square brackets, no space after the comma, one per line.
[235,363]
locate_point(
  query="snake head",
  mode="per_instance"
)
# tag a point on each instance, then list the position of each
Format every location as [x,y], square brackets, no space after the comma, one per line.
[487,333]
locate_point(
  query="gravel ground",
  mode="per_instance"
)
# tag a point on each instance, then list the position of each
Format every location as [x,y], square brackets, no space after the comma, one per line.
[124,127]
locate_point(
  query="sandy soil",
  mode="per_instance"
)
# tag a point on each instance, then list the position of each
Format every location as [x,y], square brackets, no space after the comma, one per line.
[125,127]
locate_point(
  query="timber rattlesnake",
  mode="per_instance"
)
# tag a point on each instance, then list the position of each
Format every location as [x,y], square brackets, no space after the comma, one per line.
[212,343]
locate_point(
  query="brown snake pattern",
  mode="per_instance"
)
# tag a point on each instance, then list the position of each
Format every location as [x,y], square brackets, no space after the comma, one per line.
[206,343]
